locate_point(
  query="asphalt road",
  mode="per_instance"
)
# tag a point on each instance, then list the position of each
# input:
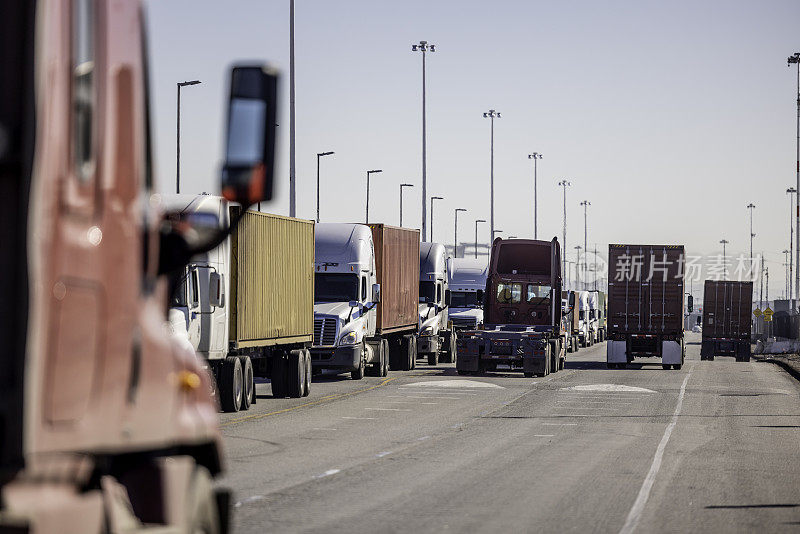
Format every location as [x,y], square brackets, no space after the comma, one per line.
[713,447]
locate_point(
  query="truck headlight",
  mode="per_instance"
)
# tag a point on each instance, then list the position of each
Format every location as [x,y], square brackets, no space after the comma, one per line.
[350,338]
[427,331]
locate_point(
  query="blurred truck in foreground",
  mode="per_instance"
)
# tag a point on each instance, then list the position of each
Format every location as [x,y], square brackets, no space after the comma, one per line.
[522,312]
[467,276]
[436,337]
[366,296]
[727,309]
[645,304]
[247,306]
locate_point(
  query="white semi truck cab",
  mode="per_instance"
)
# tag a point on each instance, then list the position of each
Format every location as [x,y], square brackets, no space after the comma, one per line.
[466,276]
[436,335]
[586,333]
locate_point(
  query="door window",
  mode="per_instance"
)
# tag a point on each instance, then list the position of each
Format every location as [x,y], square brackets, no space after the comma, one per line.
[83,90]
[363,289]
[509,293]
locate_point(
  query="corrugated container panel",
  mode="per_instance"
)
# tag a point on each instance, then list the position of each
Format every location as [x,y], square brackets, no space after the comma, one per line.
[645,289]
[727,308]
[272,286]
[397,266]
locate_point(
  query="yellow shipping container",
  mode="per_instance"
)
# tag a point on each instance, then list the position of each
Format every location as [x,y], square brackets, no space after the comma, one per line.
[272,284]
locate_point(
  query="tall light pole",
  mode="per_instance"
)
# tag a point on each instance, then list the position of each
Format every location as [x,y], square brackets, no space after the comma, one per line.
[751,206]
[401,201]
[368,173]
[564,184]
[292,185]
[455,231]
[432,199]
[792,285]
[568,274]
[786,254]
[795,59]
[491,115]
[535,157]
[424,47]
[724,259]
[578,267]
[178,158]
[585,205]
[476,236]
[321,154]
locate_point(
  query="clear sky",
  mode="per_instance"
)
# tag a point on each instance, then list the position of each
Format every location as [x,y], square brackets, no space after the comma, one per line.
[669,117]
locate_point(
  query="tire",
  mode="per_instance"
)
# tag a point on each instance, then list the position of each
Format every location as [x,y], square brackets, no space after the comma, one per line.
[611,365]
[358,373]
[433,358]
[450,355]
[666,366]
[528,375]
[248,385]
[309,373]
[410,353]
[622,365]
[374,369]
[385,358]
[561,362]
[231,384]
[677,366]
[414,353]
[295,374]
[278,376]
[201,504]
[463,373]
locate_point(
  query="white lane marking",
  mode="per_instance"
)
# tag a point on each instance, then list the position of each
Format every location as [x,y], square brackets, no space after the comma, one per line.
[423,438]
[560,424]
[254,498]
[644,493]
[608,387]
[370,418]
[429,403]
[319,428]
[454,384]
[575,415]
[437,392]
[382,454]
[429,397]
[387,409]
[328,473]
[543,435]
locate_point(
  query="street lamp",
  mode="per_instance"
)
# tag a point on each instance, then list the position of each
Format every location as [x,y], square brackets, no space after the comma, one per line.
[476,236]
[368,173]
[432,199]
[535,157]
[512,237]
[792,285]
[751,206]
[794,59]
[178,158]
[585,205]
[564,184]
[423,47]
[401,201]
[495,232]
[321,154]
[578,267]
[724,259]
[491,114]
[455,231]
[786,254]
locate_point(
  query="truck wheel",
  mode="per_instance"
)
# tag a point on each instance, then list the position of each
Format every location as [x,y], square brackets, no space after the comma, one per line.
[358,373]
[409,353]
[248,385]
[414,353]
[528,375]
[201,504]
[278,376]
[295,374]
[677,366]
[384,371]
[231,384]
[452,353]
[433,358]
[309,373]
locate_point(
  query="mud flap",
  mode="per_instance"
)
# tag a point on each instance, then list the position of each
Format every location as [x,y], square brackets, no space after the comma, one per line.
[671,353]
[616,352]
[468,355]
[706,349]
[743,351]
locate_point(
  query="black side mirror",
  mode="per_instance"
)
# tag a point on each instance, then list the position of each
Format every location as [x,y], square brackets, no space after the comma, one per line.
[690,303]
[448,296]
[247,175]
[479,295]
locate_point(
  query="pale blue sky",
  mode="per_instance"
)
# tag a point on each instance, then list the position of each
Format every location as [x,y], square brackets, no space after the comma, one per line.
[670,117]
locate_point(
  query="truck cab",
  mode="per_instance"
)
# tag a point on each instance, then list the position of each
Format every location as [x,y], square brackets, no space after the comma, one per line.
[436,337]
[586,322]
[466,277]
[597,305]
[345,298]
[569,310]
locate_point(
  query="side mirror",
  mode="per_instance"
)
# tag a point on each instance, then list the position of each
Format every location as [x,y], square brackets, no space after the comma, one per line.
[479,295]
[354,304]
[448,296]
[690,303]
[216,293]
[376,293]
[247,175]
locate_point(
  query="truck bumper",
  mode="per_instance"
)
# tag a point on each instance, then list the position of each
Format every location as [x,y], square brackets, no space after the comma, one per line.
[475,355]
[615,352]
[342,358]
[428,344]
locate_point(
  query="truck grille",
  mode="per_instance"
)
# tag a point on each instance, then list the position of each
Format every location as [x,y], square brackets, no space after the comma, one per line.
[464,322]
[325,330]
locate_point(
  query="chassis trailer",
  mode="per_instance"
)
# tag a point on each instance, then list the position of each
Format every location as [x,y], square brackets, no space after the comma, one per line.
[645,304]
[726,319]
[522,312]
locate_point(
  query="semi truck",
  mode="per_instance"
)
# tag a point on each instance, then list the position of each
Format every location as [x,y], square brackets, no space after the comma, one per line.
[467,276]
[247,307]
[523,330]
[645,304]
[597,305]
[586,323]
[570,319]
[436,335]
[727,309]
[366,296]
[106,423]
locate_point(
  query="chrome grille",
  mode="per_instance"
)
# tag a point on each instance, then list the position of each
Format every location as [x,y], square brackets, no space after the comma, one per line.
[325,330]
[464,322]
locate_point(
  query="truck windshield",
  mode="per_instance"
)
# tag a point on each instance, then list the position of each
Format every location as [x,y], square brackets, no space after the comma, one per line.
[509,293]
[537,293]
[427,291]
[464,299]
[335,287]
[177,288]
